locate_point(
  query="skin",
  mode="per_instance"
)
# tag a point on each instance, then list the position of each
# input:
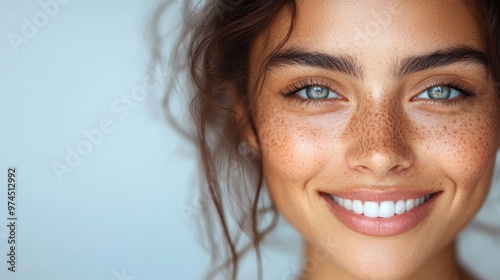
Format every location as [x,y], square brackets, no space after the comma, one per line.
[378,134]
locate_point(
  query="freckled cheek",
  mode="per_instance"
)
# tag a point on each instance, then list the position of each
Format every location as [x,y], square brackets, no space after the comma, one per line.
[464,150]
[294,148]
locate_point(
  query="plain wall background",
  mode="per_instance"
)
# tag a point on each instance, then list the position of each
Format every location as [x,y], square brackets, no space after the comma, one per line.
[125,210]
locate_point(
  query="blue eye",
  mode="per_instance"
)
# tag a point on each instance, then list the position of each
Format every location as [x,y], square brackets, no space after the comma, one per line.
[440,93]
[317,92]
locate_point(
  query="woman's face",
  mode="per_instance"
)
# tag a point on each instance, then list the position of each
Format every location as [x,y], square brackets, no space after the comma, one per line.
[380,104]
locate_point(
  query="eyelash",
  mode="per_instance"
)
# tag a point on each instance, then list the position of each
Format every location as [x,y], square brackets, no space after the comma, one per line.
[290,93]
[466,93]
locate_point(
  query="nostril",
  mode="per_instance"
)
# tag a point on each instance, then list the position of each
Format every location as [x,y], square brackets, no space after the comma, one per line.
[380,163]
[380,145]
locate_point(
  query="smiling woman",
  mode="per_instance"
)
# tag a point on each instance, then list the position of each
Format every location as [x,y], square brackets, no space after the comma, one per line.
[380,138]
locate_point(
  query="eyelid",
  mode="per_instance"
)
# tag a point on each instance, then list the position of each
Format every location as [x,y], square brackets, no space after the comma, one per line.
[465,89]
[302,84]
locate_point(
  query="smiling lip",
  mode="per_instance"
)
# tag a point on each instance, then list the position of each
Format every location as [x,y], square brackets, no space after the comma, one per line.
[383,223]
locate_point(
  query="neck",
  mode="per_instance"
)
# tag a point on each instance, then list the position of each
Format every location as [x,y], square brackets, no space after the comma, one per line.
[443,265]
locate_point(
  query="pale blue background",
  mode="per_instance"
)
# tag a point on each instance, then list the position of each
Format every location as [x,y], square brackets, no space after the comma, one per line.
[127,210]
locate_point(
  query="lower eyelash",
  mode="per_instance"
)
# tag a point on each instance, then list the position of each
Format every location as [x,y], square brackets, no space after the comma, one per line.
[307,102]
[452,102]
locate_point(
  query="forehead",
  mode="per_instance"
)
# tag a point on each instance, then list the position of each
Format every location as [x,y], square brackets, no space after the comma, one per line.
[372,28]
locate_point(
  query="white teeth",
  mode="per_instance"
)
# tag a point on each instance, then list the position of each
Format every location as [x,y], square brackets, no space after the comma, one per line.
[357,207]
[410,204]
[341,202]
[386,209]
[348,204]
[371,209]
[400,207]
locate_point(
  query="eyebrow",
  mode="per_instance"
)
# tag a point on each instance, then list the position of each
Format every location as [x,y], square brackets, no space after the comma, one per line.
[441,58]
[347,64]
[290,57]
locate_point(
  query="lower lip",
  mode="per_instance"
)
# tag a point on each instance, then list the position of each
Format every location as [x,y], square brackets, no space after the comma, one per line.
[381,227]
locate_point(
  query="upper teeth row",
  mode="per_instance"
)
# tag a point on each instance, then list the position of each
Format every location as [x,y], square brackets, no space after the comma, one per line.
[386,209]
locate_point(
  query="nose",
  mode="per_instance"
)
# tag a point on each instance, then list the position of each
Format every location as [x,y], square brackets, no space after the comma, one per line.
[377,141]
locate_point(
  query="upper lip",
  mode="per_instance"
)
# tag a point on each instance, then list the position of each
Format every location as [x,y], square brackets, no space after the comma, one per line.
[380,194]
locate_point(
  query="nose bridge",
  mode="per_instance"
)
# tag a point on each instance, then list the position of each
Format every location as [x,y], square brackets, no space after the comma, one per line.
[381,125]
[379,133]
